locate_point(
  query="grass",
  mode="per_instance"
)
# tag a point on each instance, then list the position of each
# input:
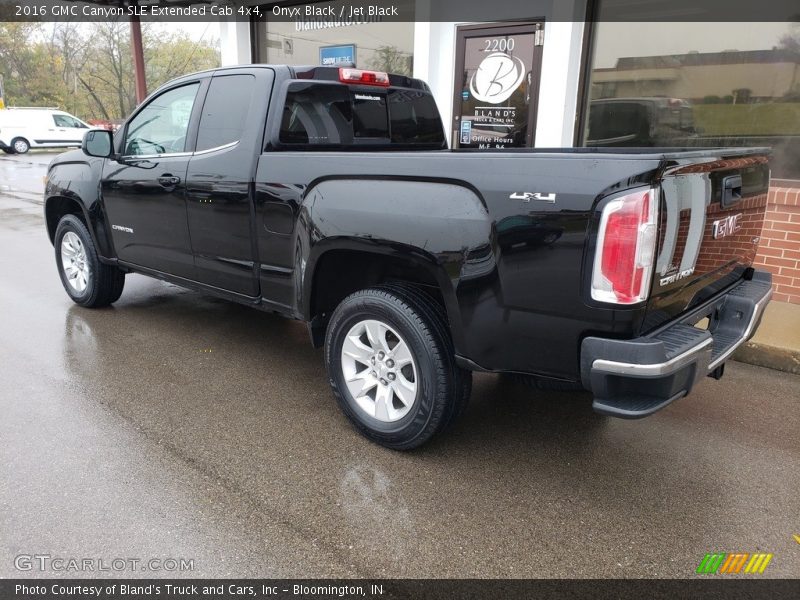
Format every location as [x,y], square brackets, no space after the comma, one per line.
[780,118]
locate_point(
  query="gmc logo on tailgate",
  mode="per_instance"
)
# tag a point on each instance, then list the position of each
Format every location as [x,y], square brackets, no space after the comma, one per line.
[726,226]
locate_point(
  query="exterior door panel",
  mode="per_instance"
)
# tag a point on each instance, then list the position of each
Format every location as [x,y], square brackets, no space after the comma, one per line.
[148,219]
[220,180]
[144,189]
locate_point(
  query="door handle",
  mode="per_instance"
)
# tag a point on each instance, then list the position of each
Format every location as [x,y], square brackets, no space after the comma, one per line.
[731,190]
[168,180]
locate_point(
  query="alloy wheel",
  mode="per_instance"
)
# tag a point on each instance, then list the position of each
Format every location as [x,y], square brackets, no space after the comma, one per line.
[379,370]
[74,262]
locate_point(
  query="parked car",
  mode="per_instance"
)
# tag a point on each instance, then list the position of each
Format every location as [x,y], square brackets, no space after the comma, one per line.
[24,128]
[641,122]
[328,195]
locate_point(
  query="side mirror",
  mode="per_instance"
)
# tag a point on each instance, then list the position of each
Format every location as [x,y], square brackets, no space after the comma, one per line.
[98,142]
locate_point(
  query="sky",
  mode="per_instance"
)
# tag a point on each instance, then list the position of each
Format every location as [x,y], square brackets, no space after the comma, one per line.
[208,30]
[616,40]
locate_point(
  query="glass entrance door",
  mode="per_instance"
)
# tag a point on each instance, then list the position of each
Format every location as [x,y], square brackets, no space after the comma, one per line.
[496,85]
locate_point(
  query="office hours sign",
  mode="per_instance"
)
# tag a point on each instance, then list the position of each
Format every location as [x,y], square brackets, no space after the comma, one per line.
[496,86]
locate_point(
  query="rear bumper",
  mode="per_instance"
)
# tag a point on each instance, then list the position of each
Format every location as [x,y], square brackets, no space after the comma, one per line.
[635,378]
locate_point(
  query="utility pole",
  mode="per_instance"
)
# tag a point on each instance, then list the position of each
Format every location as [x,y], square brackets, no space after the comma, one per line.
[138,59]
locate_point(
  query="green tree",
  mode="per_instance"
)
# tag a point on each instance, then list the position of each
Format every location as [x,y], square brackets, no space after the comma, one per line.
[391,60]
[29,69]
[88,69]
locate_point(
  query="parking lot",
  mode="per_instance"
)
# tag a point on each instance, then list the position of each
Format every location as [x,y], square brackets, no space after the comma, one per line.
[176,425]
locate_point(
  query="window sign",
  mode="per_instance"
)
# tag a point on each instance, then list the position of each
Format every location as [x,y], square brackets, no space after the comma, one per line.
[466,131]
[333,56]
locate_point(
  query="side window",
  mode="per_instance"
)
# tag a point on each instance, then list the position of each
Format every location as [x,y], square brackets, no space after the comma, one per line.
[62,121]
[71,122]
[161,127]
[225,110]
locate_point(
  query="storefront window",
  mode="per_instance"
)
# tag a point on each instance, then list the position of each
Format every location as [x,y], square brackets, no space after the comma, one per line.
[369,42]
[697,84]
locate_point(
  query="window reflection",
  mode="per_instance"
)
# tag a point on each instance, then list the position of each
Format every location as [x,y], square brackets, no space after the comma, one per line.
[369,42]
[697,84]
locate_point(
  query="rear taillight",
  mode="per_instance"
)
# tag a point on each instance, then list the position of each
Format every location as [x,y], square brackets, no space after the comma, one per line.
[623,260]
[364,77]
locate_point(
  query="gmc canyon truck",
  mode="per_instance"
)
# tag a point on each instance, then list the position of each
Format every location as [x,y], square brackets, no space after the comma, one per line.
[329,195]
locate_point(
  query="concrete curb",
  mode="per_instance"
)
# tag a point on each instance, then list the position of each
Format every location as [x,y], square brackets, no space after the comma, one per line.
[780,359]
[776,344]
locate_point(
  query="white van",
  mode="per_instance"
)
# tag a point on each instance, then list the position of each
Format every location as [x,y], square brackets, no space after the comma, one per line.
[24,128]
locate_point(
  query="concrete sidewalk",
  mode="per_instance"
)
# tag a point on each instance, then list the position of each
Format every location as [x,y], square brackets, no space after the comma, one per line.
[777,342]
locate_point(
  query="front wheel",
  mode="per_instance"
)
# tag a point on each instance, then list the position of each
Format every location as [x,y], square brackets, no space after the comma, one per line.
[86,280]
[20,145]
[391,366]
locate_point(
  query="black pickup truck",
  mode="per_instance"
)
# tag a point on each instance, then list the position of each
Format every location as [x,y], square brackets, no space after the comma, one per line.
[329,195]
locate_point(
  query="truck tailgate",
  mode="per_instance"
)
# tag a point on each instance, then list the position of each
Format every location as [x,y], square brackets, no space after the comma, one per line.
[712,211]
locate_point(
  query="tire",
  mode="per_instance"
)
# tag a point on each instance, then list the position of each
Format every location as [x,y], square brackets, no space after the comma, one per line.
[8,150]
[422,302]
[399,321]
[87,281]
[20,145]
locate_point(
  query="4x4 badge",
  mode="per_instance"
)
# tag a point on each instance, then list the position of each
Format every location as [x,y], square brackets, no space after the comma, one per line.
[528,196]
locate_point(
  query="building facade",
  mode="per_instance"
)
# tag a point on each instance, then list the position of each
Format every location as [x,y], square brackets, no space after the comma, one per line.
[561,78]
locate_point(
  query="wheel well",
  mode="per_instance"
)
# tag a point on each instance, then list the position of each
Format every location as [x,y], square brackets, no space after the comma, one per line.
[339,273]
[55,210]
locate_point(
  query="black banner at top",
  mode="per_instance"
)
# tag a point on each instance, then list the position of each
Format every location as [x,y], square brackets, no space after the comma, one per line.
[349,12]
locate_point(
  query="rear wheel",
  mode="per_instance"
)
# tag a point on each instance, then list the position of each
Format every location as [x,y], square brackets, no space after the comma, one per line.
[86,280]
[20,145]
[424,302]
[391,366]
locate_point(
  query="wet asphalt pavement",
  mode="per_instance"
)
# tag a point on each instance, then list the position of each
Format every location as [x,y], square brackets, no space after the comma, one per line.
[175,425]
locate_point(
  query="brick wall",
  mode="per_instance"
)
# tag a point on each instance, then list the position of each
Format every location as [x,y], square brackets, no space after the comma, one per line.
[715,253]
[779,248]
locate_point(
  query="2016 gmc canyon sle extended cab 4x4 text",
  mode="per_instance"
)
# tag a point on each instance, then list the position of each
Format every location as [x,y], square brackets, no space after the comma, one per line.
[329,195]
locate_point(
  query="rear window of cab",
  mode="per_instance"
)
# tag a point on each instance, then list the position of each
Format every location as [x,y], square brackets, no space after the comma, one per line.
[333,115]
